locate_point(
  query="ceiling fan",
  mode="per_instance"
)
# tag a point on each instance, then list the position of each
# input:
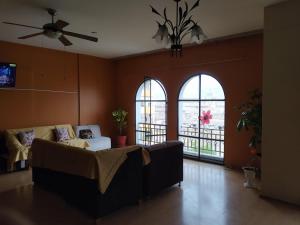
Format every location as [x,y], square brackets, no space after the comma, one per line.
[55,30]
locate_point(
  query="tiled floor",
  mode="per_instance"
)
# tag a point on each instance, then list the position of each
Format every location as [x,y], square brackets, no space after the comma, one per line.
[210,195]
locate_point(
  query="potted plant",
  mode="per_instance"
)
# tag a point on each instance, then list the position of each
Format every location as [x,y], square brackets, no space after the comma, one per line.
[251,120]
[119,116]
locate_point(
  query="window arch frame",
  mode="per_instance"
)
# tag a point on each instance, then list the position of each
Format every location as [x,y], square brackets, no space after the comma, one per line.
[158,81]
[199,100]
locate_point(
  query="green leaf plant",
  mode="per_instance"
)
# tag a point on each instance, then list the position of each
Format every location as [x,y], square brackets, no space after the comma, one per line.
[120,117]
[251,119]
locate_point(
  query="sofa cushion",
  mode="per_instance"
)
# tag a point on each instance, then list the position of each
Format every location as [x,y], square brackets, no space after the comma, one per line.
[99,143]
[94,128]
[76,142]
[26,137]
[18,152]
[86,134]
[62,134]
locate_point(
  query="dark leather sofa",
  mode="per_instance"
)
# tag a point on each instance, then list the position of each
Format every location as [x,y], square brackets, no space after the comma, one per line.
[131,182]
[165,169]
[125,188]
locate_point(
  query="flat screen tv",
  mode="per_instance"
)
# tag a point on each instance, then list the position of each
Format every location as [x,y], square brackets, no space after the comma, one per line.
[7,75]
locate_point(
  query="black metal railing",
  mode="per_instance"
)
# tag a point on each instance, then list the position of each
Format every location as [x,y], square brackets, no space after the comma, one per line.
[209,142]
[150,134]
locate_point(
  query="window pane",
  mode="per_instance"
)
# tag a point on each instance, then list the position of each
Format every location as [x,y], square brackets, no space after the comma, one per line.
[191,145]
[212,129]
[151,113]
[157,91]
[202,133]
[190,89]
[217,111]
[150,134]
[144,91]
[140,138]
[158,113]
[211,88]
[140,116]
[212,149]
[188,118]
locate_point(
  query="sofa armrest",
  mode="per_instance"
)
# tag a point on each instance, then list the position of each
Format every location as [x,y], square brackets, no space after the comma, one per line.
[166,167]
[16,150]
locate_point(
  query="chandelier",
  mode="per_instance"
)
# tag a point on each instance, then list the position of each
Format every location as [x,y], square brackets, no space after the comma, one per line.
[172,35]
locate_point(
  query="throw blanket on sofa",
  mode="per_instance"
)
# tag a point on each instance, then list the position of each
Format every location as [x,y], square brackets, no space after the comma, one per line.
[18,152]
[100,165]
[108,163]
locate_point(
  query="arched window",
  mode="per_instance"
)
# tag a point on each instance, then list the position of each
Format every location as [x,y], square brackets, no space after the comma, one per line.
[201,118]
[151,109]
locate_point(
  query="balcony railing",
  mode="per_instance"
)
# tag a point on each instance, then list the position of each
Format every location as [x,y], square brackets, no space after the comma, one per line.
[150,134]
[210,142]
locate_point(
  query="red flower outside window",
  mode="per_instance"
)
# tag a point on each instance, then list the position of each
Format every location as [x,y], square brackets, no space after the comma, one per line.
[206,117]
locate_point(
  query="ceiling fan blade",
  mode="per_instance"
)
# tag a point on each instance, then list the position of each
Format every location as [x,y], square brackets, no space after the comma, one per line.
[64,40]
[22,25]
[31,35]
[61,24]
[82,36]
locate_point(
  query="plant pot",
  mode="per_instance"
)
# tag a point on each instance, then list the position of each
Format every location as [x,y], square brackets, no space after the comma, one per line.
[249,173]
[121,141]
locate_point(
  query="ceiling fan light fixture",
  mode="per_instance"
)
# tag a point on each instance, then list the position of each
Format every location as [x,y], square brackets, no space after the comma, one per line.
[54,30]
[52,34]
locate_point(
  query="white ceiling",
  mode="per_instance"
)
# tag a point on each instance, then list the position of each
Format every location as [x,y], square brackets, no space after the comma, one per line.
[124,27]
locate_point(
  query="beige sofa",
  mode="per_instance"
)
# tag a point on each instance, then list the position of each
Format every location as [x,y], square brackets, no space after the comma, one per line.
[18,152]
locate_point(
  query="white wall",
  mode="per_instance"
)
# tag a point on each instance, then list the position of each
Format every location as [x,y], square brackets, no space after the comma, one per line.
[281,102]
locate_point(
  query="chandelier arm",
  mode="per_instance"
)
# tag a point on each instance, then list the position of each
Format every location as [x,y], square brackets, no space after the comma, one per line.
[170,23]
[186,21]
[186,24]
[168,20]
[183,20]
[155,11]
[196,4]
[164,17]
[185,35]
[185,15]
[188,12]
[187,28]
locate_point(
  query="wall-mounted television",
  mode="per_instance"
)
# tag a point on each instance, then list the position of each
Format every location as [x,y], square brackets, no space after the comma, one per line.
[7,75]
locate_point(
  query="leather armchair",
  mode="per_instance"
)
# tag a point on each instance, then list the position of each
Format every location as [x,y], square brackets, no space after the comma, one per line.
[165,169]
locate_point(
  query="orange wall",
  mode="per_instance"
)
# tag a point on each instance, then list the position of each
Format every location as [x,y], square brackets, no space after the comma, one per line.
[47,88]
[235,63]
[105,84]
[97,95]
[40,69]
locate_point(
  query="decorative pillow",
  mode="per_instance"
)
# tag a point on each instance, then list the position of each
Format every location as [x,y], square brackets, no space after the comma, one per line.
[62,134]
[86,134]
[26,137]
